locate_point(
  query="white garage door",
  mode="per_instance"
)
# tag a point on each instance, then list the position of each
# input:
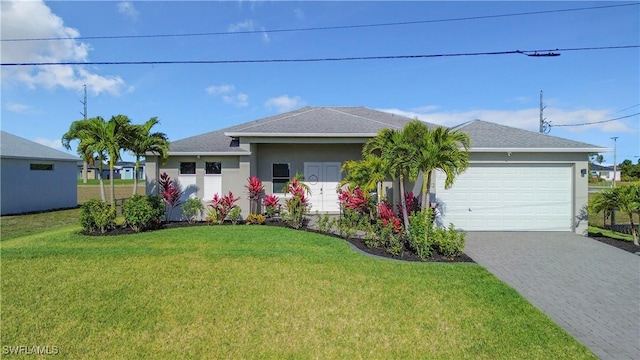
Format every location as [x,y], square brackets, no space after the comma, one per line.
[508,197]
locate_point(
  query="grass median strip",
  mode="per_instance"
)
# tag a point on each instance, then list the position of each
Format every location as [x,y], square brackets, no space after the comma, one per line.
[258,292]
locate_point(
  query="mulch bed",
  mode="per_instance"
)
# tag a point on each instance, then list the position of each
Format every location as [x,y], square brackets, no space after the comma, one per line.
[405,255]
[620,244]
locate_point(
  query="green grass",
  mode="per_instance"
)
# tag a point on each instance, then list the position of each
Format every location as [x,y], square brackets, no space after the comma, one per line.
[116,182]
[611,234]
[258,292]
[21,225]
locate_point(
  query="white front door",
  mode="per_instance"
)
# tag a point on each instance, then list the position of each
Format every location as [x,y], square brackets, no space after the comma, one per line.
[322,179]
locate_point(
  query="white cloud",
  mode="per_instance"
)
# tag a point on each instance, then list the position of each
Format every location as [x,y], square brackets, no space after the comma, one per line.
[56,143]
[17,108]
[228,94]
[246,25]
[528,119]
[126,8]
[33,19]
[284,103]
[219,89]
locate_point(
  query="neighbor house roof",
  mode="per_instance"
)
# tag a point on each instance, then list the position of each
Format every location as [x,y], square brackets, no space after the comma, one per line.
[489,137]
[12,146]
[335,122]
[597,167]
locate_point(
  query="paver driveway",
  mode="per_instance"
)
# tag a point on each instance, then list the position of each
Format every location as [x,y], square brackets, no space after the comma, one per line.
[590,289]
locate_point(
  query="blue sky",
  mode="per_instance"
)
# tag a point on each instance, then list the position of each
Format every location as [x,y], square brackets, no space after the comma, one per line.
[40,102]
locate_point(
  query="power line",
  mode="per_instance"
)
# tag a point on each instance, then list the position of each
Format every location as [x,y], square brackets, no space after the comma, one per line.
[321,28]
[550,52]
[596,122]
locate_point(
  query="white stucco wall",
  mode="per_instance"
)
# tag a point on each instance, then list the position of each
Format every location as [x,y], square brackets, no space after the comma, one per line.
[24,190]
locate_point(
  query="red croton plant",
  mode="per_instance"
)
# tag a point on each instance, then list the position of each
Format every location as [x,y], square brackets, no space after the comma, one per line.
[223,205]
[255,189]
[386,215]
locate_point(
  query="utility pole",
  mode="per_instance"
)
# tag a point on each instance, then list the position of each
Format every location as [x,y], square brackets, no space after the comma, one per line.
[85,169]
[544,125]
[615,160]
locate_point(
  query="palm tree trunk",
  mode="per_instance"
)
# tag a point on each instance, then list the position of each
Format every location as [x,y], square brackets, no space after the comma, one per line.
[135,176]
[403,202]
[101,169]
[85,176]
[633,230]
[112,186]
[426,190]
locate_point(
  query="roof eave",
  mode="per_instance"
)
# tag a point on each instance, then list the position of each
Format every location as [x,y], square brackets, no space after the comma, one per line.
[296,135]
[209,153]
[544,150]
[43,158]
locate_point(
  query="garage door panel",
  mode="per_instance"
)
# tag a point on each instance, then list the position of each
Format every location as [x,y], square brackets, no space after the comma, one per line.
[508,197]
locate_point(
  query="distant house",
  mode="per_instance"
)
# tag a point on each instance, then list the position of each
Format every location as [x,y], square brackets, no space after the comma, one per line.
[605,172]
[34,177]
[517,180]
[126,170]
[93,171]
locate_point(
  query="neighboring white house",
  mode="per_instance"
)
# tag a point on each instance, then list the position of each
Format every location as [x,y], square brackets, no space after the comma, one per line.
[517,179]
[605,172]
[34,177]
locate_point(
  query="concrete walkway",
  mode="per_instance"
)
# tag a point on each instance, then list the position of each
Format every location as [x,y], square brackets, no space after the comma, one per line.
[590,289]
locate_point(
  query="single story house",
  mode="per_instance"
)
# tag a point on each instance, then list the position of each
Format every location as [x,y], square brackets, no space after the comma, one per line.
[517,180]
[93,171]
[605,172]
[34,177]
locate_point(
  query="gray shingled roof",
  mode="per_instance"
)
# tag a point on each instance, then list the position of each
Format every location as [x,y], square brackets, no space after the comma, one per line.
[487,135]
[323,121]
[12,146]
[364,122]
[211,142]
[308,121]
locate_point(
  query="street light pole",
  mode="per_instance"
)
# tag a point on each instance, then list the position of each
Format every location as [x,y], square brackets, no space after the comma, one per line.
[615,160]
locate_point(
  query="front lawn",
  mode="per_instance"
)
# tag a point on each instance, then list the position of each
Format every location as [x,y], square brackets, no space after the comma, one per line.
[258,292]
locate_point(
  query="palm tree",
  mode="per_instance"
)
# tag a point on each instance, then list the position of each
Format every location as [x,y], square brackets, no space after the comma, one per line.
[398,155]
[629,203]
[114,136]
[368,173]
[606,200]
[85,132]
[141,141]
[437,149]
[624,198]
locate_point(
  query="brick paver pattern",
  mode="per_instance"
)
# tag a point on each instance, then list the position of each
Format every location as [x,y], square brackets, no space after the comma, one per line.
[590,289]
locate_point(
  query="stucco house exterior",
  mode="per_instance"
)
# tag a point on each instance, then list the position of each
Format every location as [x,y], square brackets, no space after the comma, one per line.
[518,180]
[606,172]
[34,177]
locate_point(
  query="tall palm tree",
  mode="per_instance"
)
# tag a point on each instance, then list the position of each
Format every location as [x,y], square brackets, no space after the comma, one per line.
[141,141]
[437,149]
[398,155]
[114,136]
[88,147]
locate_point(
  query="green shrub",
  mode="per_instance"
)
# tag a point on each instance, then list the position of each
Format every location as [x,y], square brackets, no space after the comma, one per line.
[235,215]
[297,206]
[257,219]
[142,212]
[97,215]
[449,241]
[421,233]
[212,216]
[192,209]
